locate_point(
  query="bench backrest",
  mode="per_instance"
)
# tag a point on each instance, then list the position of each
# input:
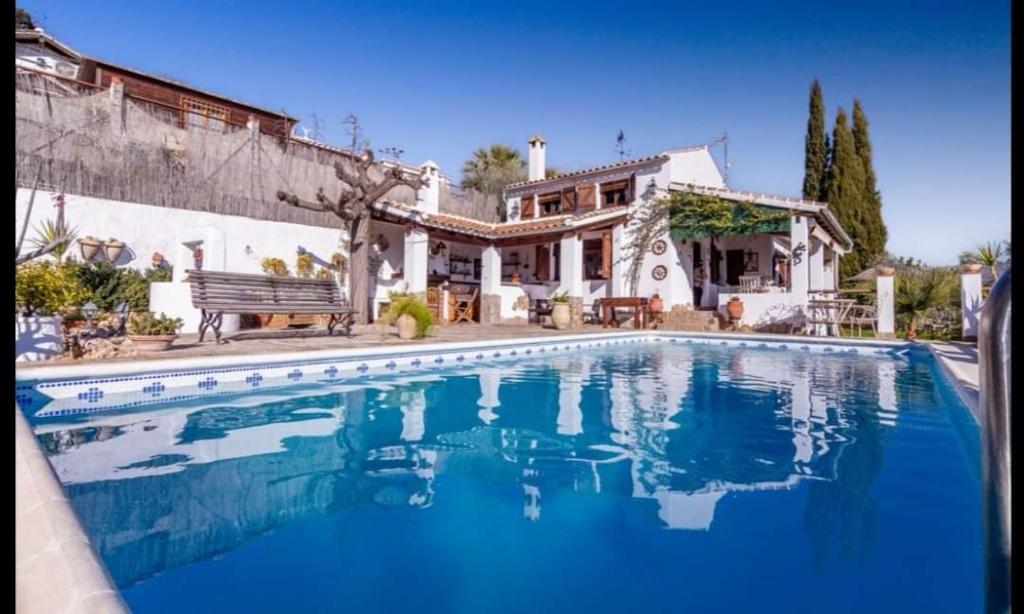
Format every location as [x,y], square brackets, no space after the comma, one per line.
[241,292]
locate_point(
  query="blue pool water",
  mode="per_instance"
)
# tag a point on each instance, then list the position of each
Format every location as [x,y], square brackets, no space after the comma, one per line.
[653,478]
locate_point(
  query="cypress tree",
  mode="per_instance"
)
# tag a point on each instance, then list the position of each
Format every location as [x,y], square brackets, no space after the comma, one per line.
[875,233]
[845,194]
[815,146]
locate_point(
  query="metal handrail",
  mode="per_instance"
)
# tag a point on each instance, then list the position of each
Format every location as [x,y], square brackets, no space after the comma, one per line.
[994,385]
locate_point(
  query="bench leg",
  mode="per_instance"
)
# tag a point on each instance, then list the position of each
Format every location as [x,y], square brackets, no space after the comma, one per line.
[345,320]
[210,320]
[204,323]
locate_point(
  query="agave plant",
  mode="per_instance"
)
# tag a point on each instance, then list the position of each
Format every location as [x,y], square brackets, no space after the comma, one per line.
[990,254]
[58,235]
[920,293]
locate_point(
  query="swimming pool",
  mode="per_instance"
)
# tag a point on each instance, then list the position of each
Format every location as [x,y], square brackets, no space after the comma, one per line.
[652,474]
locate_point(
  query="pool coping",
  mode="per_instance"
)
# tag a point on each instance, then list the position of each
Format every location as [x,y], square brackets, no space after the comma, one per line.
[965,380]
[56,567]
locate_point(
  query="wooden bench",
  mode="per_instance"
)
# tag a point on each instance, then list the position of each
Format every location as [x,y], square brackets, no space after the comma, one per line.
[215,293]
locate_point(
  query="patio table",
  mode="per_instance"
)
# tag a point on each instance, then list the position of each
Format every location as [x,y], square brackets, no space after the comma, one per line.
[826,314]
[639,305]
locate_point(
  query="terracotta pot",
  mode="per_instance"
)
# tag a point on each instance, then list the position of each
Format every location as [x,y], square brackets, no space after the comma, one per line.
[152,343]
[406,326]
[90,247]
[113,249]
[886,271]
[970,268]
[656,305]
[158,258]
[734,308]
[560,315]
[515,278]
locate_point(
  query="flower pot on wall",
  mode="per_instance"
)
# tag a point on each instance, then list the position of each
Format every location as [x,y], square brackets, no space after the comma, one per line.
[656,304]
[406,326]
[90,246]
[112,249]
[970,268]
[734,308]
[560,315]
[886,271]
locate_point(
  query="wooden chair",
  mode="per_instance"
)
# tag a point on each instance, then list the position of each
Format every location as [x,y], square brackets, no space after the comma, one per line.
[860,315]
[465,307]
[592,315]
[542,308]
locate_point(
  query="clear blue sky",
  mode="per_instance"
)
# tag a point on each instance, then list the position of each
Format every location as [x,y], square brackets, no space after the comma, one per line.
[439,79]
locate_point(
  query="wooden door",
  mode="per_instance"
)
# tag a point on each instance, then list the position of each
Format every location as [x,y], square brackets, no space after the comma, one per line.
[733,266]
[543,263]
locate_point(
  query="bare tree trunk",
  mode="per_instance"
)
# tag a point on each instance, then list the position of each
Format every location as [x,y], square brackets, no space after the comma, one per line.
[359,265]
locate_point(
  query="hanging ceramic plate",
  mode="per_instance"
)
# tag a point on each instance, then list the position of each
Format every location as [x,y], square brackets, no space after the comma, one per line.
[659,272]
[658,247]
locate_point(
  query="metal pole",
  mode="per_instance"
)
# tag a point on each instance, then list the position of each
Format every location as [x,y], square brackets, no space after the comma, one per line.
[994,384]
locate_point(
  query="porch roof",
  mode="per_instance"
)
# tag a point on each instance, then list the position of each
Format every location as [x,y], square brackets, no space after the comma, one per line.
[487,231]
[817,209]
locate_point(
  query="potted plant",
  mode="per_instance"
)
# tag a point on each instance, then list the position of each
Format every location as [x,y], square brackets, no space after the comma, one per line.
[656,305]
[90,246]
[43,292]
[561,315]
[734,308]
[151,333]
[304,265]
[410,315]
[113,248]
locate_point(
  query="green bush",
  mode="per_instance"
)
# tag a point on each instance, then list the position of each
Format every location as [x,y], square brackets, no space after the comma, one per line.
[108,286]
[42,288]
[158,273]
[146,323]
[408,304]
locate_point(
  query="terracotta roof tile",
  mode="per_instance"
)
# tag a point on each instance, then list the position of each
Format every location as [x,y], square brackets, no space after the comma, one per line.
[606,167]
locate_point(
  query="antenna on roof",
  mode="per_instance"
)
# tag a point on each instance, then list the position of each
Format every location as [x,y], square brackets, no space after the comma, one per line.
[724,140]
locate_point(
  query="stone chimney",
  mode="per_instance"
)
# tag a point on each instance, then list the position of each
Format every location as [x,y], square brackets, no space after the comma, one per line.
[537,150]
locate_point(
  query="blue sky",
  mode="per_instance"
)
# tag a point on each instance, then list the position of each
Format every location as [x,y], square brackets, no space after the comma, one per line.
[438,79]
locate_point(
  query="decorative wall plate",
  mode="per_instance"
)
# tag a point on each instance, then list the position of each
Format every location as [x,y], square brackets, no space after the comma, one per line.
[659,272]
[658,247]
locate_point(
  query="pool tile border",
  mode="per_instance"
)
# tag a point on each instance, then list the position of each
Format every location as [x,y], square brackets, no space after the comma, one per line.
[44,392]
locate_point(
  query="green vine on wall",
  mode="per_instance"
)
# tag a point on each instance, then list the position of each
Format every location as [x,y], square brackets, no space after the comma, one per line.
[700,216]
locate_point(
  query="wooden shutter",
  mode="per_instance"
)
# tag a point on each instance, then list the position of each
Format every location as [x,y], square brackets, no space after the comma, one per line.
[526,207]
[543,263]
[585,195]
[568,200]
[631,191]
[606,255]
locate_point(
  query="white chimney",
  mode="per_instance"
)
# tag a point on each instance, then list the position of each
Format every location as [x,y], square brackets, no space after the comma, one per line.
[537,149]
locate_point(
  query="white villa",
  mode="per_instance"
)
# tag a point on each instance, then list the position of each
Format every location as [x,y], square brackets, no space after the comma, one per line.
[572,233]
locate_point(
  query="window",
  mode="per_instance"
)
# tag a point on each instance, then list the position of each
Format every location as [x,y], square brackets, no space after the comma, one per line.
[200,114]
[614,193]
[597,257]
[550,204]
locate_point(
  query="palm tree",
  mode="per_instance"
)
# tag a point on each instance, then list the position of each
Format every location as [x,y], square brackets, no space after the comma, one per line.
[921,292]
[491,169]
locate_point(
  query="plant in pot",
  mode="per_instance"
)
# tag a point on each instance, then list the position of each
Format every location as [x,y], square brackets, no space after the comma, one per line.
[734,308]
[112,249]
[152,333]
[90,246]
[43,293]
[274,267]
[561,315]
[411,315]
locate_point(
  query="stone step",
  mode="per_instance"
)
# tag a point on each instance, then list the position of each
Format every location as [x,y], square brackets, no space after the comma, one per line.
[689,319]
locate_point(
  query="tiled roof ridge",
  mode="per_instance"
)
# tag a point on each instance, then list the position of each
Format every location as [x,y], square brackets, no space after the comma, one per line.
[752,194]
[585,171]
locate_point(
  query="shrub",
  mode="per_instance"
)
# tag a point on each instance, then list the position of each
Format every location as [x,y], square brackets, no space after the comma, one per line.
[304,265]
[921,293]
[108,286]
[45,288]
[324,273]
[158,273]
[146,323]
[408,304]
[274,266]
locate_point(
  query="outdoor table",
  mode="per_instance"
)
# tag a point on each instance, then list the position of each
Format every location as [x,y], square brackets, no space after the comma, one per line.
[639,305]
[828,312]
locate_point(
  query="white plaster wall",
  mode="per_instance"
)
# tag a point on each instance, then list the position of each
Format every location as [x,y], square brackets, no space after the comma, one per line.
[393,258]
[146,229]
[37,338]
[760,309]
[697,167]
[510,295]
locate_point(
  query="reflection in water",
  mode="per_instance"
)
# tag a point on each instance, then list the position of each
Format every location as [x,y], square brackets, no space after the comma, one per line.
[682,428]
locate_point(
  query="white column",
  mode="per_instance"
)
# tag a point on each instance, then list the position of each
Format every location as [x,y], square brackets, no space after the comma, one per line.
[490,381]
[490,270]
[816,266]
[414,266]
[617,287]
[800,259]
[428,198]
[571,266]
[886,305]
[970,301]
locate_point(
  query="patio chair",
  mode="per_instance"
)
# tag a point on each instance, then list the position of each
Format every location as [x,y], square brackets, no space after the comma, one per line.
[860,315]
[465,307]
[593,314]
[541,308]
